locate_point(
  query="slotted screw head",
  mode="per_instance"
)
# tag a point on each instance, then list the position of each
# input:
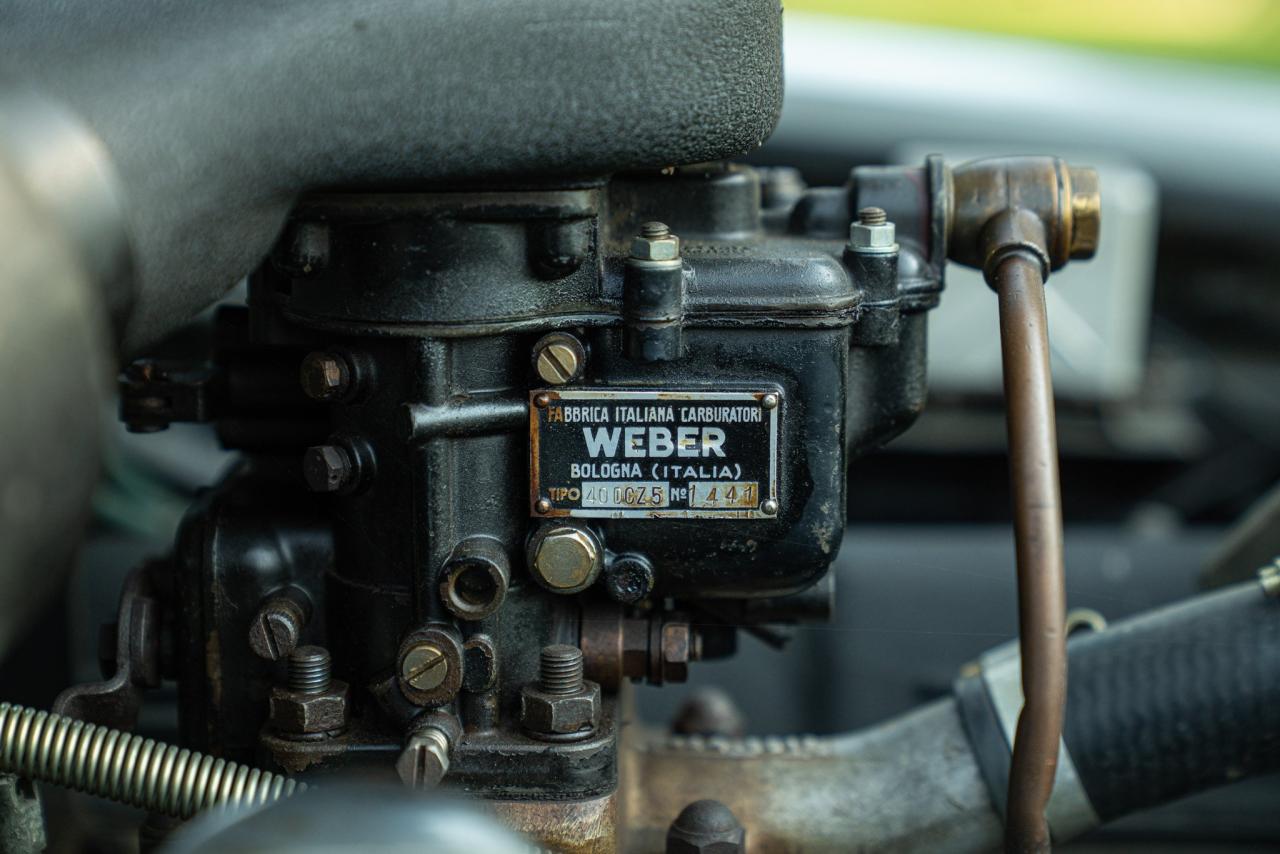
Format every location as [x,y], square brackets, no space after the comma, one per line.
[424,667]
[559,358]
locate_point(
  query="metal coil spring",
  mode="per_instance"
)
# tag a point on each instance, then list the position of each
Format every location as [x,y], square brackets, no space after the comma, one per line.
[128,768]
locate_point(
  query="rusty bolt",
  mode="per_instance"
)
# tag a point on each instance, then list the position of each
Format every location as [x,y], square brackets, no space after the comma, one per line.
[706,827]
[312,702]
[559,358]
[424,667]
[328,468]
[325,376]
[565,559]
[561,704]
[277,628]
[655,242]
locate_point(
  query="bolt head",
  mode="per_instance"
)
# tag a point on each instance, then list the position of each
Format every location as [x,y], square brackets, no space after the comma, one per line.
[327,468]
[706,827]
[769,507]
[566,560]
[324,376]
[542,505]
[769,401]
[296,713]
[655,248]
[560,714]
[873,239]
[424,667]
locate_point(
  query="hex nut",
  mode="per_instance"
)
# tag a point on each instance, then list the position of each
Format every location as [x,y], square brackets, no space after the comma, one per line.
[328,468]
[873,239]
[655,248]
[677,648]
[296,713]
[706,827]
[325,376]
[543,713]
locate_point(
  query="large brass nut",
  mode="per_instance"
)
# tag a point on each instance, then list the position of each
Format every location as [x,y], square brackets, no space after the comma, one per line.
[297,713]
[560,714]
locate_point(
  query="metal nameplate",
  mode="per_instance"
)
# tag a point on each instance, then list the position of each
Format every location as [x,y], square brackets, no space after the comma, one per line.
[615,454]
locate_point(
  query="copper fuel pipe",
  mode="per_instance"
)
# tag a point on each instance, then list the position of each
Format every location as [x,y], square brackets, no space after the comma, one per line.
[1016,219]
[1037,521]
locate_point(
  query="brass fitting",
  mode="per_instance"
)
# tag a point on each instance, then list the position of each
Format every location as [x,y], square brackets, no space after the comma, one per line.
[1038,204]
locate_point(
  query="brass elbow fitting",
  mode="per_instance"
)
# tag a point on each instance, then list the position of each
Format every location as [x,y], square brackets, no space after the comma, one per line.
[1036,204]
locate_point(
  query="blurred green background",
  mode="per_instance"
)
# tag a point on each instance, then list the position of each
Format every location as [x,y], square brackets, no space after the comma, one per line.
[1236,32]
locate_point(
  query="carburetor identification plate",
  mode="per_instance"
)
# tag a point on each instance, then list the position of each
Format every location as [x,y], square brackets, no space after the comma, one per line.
[618,454]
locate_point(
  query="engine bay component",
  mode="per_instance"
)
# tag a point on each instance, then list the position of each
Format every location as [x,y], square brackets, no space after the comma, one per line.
[128,768]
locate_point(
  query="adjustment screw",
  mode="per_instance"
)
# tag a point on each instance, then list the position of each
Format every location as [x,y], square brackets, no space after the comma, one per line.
[565,559]
[560,670]
[425,759]
[325,376]
[559,358]
[309,670]
[327,468]
[276,628]
[706,827]
[424,667]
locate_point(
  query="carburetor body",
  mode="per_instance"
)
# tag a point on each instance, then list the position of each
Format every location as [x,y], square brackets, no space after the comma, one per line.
[614,417]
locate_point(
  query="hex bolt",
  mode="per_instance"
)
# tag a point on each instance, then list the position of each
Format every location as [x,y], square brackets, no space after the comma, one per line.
[325,376]
[277,628]
[561,705]
[424,667]
[309,670]
[565,559]
[655,242]
[559,358]
[706,827]
[872,234]
[328,468]
[560,669]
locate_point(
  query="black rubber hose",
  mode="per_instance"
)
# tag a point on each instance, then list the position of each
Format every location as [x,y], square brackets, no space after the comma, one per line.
[1179,700]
